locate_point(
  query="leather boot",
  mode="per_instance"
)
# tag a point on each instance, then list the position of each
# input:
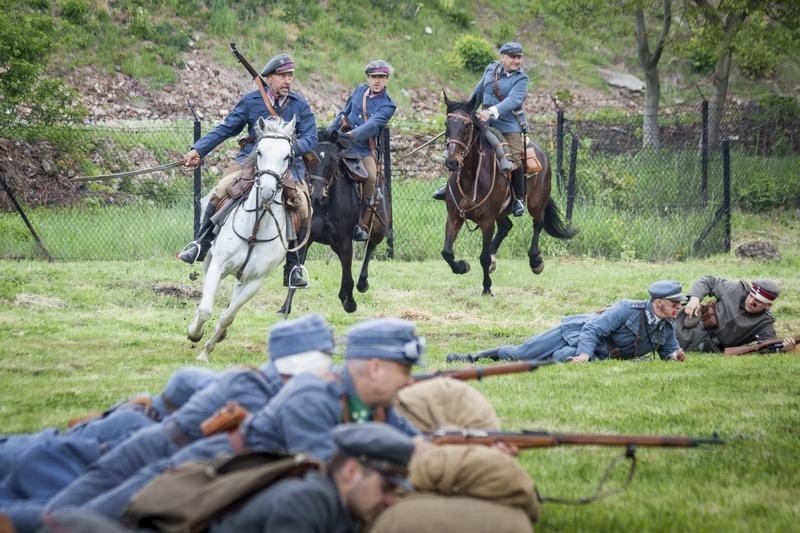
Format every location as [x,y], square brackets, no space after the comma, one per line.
[360,230]
[518,184]
[293,270]
[440,192]
[491,353]
[198,248]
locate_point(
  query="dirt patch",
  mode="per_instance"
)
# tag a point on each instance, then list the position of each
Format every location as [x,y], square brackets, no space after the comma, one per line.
[181,291]
[37,301]
[417,316]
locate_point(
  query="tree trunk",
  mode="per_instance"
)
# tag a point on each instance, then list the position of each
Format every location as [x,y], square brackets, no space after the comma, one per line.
[651,137]
[722,72]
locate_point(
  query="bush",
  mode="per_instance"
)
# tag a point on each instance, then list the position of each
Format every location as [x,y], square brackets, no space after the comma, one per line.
[473,53]
[75,11]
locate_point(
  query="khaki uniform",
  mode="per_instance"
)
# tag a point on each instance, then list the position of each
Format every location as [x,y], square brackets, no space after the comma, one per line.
[736,326]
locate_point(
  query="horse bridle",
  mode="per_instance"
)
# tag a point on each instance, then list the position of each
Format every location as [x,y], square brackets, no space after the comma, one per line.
[465,147]
[323,179]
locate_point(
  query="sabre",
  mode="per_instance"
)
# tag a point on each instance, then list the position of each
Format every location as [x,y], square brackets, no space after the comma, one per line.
[418,148]
[129,173]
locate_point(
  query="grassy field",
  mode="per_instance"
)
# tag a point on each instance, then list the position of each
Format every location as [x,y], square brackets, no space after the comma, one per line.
[81,335]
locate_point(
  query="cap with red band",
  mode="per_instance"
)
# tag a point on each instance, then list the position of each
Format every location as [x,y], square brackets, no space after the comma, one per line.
[764,291]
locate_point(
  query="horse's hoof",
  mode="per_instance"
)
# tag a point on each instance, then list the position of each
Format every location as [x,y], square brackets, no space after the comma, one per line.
[350,306]
[537,265]
[203,357]
[283,311]
[363,285]
[464,267]
[487,292]
[194,338]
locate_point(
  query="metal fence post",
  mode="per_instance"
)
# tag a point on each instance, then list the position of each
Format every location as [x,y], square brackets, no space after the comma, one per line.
[387,173]
[573,162]
[726,192]
[704,153]
[198,184]
[560,149]
[39,243]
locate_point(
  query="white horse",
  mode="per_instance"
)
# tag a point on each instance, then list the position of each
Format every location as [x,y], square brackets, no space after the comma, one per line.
[252,240]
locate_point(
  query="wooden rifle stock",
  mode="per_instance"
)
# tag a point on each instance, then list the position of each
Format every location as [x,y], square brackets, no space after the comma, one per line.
[767,346]
[245,63]
[543,439]
[479,372]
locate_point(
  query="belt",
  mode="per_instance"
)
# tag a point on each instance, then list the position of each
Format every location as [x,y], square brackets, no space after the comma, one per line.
[237,441]
[176,434]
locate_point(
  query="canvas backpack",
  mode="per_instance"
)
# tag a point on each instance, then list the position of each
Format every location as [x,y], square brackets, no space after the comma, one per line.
[193,495]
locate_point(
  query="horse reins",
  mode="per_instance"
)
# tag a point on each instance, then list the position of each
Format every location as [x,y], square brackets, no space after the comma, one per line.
[465,151]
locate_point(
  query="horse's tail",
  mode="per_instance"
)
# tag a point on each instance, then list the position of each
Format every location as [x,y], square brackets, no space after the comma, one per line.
[554,224]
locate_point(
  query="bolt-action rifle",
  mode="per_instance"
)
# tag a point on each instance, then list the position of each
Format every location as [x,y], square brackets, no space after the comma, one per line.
[767,346]
[246,64]
[479,372]
[543,439]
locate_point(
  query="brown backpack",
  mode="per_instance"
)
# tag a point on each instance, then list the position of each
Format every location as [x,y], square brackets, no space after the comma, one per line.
[192,496]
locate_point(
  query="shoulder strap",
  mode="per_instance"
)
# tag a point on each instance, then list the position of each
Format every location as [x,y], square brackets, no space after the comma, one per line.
[260,84]
[496,83]
[372,147]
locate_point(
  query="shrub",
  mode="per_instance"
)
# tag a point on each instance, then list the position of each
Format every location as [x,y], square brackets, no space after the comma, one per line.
[473,53]
[75,11]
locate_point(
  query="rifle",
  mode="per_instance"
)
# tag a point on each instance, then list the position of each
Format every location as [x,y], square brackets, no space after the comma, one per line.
[767,346]
[479,372]
[246,64]
[544,439]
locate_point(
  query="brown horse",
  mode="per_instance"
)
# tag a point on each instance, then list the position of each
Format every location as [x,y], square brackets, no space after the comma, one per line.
[478,191]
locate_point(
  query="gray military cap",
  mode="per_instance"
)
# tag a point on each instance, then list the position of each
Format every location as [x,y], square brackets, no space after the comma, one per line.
[667,290]
[278,65]
[305,334]
[378,446]
[391,339]
[378,67]
[511,48]
[764,290]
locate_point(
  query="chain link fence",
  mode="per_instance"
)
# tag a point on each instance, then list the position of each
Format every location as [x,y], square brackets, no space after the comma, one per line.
[626,201]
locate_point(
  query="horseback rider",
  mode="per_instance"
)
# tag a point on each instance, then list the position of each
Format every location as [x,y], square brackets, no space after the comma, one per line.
[368,109]
[278,100]
[501,92]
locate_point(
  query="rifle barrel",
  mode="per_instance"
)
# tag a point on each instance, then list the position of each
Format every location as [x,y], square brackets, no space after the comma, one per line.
[542,439]
[479,372]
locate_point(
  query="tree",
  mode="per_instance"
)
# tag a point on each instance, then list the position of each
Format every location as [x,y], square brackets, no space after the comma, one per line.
[25,44]
[721,26]
[584,14]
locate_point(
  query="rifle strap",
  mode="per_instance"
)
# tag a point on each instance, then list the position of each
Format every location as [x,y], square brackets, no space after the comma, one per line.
[372,147]
[630,453]
[260,84]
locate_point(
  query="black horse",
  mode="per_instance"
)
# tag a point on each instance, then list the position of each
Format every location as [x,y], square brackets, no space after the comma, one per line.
[478,191]
[336,205]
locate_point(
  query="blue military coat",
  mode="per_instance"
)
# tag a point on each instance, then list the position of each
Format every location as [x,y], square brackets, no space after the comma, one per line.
[308,504]
[598,333]
[513,88]
[250,388]
[247,112]
[380,108]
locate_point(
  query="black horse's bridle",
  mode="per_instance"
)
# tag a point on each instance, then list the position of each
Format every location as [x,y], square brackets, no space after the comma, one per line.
[465,146]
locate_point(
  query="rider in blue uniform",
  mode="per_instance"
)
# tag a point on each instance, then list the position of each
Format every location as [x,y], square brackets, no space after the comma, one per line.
[501,92]
[626,330]
[378,361]
[295,346]
[362,120]
[287,104]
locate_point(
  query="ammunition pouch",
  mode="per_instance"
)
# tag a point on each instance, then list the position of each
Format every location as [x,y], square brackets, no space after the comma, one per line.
[227,418]
[241,185]
[355,168]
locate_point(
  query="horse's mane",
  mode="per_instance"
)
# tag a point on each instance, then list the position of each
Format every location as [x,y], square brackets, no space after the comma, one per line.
[460,105]
[272,126]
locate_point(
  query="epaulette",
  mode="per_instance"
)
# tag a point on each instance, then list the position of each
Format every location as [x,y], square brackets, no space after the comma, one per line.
[639,305]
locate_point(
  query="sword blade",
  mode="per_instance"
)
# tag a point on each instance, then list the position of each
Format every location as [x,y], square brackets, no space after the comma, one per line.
[129,173]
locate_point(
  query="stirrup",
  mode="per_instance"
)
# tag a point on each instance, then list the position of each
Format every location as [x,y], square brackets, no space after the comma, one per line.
[517,208]
[301,271]
[440,192]
[360,234]
[187,255]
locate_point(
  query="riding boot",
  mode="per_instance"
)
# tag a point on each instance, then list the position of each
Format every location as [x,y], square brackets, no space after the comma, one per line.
[360,230]
[293,270]
[491,353]
[440,192]
[198,248]
[518,184]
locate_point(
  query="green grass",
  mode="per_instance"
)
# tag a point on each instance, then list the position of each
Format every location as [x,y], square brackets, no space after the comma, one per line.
[78,336]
